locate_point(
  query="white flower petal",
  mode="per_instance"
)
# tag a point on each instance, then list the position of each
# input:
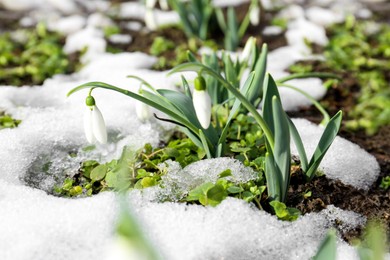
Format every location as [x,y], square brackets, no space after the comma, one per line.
[254,16]
[246,53]
[164,4]
[143,111]
[149,4]
[99,126]
[88,125]
[202,105]
[150,20]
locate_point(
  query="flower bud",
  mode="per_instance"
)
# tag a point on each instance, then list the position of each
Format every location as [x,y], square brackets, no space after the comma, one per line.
[90,101]
[200,83]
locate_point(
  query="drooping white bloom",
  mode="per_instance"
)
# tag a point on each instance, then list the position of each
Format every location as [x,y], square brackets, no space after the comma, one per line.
[150,19]
[254,15]
[149,4]
[143,111]
[249,47]
[163,4]
[202,104]
[94,125]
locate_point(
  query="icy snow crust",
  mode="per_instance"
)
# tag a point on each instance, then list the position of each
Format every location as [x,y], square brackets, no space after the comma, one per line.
[35,225]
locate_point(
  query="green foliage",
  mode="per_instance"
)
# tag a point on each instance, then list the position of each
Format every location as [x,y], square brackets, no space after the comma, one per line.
[266,146]
[372,246]
[361,49]
[130,236]
[385,183]
[283,212]
[355,49]
[374,242]
[135,169]
[111,30]
[281,22]
[195,16]
[213,194]
[6,121]
[327,249]
[170,55]
[161,45]
[29,56]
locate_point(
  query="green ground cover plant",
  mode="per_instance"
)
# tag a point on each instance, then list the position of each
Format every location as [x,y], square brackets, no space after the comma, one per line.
[29,56]
[362,50]
[197,16]
[6,121]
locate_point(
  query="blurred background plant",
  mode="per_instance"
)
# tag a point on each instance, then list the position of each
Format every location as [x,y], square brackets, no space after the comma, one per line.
[29,56]
[360,51]
[6,121]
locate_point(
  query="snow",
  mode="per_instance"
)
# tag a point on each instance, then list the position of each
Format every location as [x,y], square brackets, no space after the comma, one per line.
[35,225]
[68,25]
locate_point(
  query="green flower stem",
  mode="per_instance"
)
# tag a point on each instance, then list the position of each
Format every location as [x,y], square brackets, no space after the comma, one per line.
[312,100]
[308,75]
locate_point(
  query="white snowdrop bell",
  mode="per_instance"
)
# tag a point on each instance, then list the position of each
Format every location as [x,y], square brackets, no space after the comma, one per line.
[150,19]
[249,47]
[94,125]
[143,111]
[202,102]
[254,15]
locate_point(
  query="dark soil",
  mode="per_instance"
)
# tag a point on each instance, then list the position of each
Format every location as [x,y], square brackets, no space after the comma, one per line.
[373,203]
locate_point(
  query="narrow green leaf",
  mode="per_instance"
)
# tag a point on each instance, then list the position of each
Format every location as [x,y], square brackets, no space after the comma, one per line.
[187,90]
[183,103]
[329,134]
[299,144]
[260,69]
[230,72]
[327,250]
[282,152]
[220,19]
[308,75]
[205,144]
[272,176]
[270,90]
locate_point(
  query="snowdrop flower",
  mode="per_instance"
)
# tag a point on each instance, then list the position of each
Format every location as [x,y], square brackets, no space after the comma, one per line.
[150,19]
[254,14]
[249,47]
[143,111]
[163,4]
[202,102]
[149,4]
[94,125]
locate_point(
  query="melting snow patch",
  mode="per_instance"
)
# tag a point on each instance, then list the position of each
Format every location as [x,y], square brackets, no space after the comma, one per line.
[344,160]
